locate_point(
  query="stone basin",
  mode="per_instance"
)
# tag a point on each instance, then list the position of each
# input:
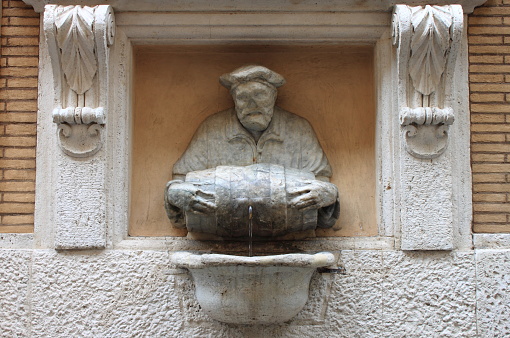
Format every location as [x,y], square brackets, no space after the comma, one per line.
[252,290]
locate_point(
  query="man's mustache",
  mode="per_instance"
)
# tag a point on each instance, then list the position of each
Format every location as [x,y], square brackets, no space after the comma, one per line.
[257,111]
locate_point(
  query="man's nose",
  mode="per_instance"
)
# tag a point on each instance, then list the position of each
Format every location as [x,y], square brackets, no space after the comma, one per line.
[252,104]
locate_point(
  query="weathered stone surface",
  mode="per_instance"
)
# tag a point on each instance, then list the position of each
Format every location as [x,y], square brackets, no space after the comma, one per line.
[81,205]
[355,305]
[428,294]
[114,293]
[392,293]
[493,293]
[314,311]
[14,292]
[137,293]
[427,204]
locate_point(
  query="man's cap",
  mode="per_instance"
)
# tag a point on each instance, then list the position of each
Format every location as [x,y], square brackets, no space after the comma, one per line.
[251,73]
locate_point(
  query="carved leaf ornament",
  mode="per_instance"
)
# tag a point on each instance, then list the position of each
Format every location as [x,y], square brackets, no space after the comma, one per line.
[429,45]
[75,38]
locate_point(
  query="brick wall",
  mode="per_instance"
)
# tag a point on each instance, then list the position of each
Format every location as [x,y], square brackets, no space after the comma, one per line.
[18,115]
[489,74]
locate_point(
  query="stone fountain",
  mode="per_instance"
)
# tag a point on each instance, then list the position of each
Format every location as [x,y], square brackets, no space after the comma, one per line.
[252,172]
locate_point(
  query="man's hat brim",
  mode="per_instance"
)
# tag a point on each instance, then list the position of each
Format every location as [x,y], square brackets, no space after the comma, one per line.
[251,73]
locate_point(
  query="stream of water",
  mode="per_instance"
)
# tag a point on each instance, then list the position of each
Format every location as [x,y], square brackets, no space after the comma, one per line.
[250,231]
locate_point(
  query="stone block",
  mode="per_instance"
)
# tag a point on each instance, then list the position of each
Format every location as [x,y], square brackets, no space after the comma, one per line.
[493,293]
[355,305]
[113,293]
[14,293]
[428,294]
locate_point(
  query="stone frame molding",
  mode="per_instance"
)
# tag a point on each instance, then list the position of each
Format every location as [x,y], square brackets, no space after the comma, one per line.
[71,208]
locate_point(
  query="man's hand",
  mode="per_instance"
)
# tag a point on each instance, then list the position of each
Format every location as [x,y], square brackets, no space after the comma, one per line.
[189,197]
[314,194]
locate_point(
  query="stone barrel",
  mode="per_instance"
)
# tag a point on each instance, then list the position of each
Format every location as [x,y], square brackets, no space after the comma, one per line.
[264,187]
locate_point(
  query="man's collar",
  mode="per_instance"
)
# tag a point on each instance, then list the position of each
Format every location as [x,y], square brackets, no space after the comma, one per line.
[234,128]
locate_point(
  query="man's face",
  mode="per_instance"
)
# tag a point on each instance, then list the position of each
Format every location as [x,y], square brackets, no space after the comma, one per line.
[254,103]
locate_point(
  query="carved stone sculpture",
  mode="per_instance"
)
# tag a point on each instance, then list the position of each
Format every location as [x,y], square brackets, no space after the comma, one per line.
[253,155]
[427,39]
[78,39]
[428,43]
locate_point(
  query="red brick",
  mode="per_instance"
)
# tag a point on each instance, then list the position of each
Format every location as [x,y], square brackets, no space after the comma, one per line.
[19,197]
[490,177]
[18,94]
[485,59]
[19,153]
[17,186]
[20,129]
[492,97]
[490,218]
[23,174]
[17,219]
[19,72]
[488,147]
[23,61]
[494,78]
[20,12]
[20,31]
[22,106]
[486,118]
[483,138]
[16,208]
[482,20]
[16,164]
[22,42]
[30,82]
[18,117]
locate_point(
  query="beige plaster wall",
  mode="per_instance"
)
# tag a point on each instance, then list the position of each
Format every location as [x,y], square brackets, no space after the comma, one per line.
[176,88]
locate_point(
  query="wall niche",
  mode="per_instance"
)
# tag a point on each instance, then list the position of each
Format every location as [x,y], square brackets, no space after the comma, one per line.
[176,88]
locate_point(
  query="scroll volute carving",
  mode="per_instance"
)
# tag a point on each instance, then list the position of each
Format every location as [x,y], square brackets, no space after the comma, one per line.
[78,39]
[427,40]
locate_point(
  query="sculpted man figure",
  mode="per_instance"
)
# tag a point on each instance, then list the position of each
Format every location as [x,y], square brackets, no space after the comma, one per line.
[254,131]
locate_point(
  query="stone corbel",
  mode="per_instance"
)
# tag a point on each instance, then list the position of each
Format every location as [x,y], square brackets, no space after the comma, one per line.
[426,130]
[78,40]
[427,40]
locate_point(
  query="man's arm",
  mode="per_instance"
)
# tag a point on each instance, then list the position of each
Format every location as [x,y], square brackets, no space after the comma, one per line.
[319,194]
[181,196]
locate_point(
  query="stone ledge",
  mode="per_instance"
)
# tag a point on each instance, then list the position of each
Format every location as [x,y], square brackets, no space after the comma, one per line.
[493,296]
[249,6]
[491,241]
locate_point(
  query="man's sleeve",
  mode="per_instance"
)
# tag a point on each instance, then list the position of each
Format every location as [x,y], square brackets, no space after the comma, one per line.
[328,216]
[312,156]
[175,214]
[314,159]
[195,156]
